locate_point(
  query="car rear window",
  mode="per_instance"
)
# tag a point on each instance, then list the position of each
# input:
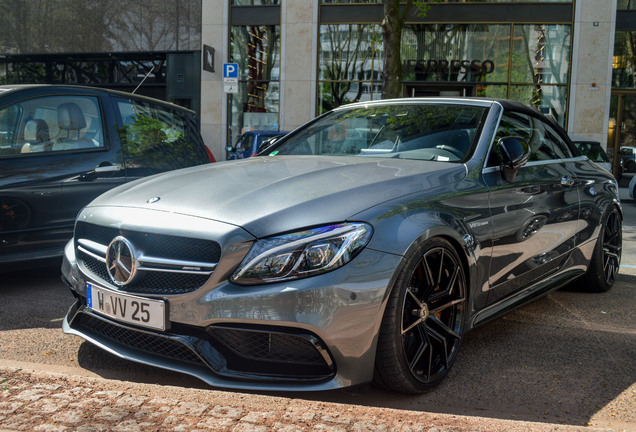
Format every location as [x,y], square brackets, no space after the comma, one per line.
[158,138]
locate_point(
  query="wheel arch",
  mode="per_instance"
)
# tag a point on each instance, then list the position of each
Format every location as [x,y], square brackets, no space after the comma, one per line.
[462,243]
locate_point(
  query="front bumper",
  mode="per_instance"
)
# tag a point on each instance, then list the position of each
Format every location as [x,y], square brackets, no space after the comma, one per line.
[318,333]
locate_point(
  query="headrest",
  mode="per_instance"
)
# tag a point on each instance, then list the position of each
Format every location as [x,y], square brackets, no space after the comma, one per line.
[36,130]
[69,116]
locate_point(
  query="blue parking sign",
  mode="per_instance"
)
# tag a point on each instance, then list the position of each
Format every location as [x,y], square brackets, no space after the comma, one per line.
[230,70]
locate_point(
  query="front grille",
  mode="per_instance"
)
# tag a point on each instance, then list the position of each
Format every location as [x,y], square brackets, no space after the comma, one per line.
[160,283]
[167,281]
[165,246]
[146,342]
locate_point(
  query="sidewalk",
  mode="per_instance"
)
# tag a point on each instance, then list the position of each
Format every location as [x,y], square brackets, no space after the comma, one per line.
[43,401]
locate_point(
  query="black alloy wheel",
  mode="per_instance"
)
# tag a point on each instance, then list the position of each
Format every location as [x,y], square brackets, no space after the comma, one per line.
[612,241]
[606,260]
[422,327]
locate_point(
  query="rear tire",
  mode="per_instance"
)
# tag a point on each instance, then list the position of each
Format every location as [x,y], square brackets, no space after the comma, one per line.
[423,321]
[606,260]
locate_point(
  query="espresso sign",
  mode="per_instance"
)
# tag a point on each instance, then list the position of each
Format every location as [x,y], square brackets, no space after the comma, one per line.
[473,67]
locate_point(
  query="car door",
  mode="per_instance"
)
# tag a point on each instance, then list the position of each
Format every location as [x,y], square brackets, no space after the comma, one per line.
[534,218]
[55,158]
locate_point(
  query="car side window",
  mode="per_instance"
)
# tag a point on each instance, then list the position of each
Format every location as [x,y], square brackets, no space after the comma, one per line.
[545,143]
[51,124]
[156,138]
[555,142]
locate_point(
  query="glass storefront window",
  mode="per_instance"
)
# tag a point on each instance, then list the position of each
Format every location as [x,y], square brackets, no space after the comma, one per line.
[626,5]
[492,91]
[349,64]
[624,62]
[255,2]
[541,54]
[455,52]
[256,49]
[350,1]
[549,99]
[462,1]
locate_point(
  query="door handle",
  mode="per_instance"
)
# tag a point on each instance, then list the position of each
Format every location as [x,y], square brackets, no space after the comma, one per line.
[107,168]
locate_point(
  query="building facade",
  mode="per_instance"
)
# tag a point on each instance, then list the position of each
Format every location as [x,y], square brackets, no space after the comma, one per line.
[297,59]
[572,59]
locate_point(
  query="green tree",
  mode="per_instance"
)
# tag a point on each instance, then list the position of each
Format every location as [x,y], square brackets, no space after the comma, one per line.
[396,12]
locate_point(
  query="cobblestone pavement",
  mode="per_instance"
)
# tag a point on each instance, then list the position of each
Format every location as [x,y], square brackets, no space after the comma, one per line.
[42,401]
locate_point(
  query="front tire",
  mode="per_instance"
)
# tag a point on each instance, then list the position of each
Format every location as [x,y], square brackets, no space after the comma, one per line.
[605,263]
[423,321]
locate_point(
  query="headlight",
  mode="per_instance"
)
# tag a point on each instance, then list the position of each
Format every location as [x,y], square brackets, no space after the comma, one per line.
[302,254]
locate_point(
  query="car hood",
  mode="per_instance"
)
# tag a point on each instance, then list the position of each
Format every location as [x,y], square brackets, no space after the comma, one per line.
[266,195]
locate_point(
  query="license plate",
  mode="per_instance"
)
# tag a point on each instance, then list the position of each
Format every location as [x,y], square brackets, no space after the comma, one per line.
[140,311]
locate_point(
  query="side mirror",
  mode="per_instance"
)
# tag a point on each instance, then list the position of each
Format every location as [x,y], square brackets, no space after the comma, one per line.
[514,153]
[229,149]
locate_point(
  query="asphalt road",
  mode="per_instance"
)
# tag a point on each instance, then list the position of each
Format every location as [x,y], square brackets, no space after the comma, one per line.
[567,358]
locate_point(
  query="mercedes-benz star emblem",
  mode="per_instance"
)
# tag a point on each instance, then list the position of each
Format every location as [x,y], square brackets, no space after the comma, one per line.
[121,261]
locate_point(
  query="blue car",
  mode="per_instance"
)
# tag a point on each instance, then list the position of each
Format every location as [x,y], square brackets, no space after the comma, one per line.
[251,142]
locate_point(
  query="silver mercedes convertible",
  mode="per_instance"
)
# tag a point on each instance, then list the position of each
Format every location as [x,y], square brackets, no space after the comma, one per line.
[360,247]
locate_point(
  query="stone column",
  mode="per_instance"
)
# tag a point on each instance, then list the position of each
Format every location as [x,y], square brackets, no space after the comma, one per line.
[591,79]
[214,33]
[299,33]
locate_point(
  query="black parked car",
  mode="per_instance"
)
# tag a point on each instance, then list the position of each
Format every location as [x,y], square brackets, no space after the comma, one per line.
[61,146]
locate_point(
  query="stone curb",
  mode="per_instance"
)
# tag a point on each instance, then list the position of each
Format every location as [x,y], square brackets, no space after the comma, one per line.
[43,401]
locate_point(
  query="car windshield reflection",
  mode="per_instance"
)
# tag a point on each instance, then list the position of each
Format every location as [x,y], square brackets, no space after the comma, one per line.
[426,132]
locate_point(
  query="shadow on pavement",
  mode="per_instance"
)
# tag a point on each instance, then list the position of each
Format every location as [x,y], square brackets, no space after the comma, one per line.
[560,359]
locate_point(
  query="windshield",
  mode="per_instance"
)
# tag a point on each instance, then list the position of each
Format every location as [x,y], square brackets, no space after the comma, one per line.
[441,132]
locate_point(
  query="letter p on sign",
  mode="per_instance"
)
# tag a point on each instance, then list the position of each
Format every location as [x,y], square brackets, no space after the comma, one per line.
[230,70]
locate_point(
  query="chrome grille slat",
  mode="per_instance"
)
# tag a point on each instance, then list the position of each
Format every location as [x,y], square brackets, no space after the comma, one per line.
[169,264]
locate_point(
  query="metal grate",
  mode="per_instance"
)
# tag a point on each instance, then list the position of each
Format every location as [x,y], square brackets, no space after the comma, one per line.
[142,341]
[159,245]
[275,347]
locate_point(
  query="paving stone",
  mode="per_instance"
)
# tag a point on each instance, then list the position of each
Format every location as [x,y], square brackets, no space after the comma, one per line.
[216,424]
[9,407]
[258,417]
[51,428]
[133,426]
[189,408]
[226,412]
[369,427]
[93,427]
[279,427]
[30,395]
[249,427]
[294,415]
[110,394]
[112,414]
[71,417]
[131,401]
[329,428]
